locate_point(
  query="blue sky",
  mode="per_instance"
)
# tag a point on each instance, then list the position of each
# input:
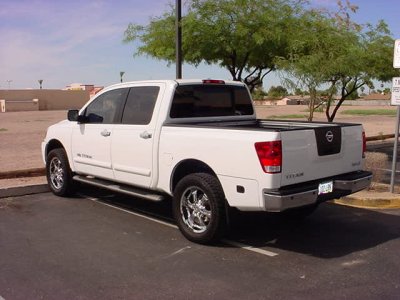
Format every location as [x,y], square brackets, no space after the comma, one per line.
[64,42]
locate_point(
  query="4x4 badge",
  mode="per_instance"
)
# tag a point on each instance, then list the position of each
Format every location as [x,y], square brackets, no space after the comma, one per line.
[329,136]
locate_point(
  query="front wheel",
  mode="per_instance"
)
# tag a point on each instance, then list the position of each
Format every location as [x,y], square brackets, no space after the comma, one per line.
[199,208]
[59,175]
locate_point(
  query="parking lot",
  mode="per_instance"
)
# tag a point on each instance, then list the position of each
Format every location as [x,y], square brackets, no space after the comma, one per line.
[103,245]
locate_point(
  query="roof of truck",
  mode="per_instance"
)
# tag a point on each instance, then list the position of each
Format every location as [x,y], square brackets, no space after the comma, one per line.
[179,81]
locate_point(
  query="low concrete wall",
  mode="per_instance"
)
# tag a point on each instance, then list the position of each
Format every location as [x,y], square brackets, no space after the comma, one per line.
[365,102]
[21,105]
[48,99]
[346,102]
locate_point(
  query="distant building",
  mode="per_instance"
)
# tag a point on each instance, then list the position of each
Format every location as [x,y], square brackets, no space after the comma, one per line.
[288,100]
[42,99]
[93,90]
[297,100]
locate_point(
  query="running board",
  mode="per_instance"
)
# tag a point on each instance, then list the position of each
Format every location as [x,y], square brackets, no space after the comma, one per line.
[120,188]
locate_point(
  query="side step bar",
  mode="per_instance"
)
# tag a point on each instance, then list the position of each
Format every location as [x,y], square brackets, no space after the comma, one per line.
[120,188]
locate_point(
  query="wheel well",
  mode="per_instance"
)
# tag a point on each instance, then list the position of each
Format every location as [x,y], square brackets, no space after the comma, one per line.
[53,144]
[187,167]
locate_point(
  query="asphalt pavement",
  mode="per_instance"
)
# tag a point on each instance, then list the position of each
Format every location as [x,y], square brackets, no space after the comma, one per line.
[100,245]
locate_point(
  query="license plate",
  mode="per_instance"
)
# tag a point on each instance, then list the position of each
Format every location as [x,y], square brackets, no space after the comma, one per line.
[325,188]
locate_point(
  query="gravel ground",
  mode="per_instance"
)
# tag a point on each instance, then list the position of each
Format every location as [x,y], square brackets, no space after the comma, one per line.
[21,133]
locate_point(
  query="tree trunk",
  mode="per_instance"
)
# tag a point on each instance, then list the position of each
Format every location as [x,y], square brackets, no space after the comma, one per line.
[311,105]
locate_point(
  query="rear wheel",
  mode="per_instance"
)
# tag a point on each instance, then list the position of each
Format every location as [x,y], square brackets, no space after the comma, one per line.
[199,208]
[59,175]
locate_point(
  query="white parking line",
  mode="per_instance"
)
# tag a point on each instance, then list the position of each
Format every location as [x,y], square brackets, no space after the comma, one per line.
[232,243]
[1,298]
[130,212]
[250,248]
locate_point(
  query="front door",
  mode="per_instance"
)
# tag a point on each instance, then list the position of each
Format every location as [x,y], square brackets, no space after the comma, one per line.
[91,139]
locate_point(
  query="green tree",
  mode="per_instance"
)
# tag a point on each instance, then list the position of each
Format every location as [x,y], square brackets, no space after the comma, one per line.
[332,50]
[277,91]
[369,58]
[299,92]
[243,36]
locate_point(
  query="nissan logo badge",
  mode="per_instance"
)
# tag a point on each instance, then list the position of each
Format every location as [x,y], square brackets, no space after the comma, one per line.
[329,136]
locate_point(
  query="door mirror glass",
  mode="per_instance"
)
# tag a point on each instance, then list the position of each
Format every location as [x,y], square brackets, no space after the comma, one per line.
[73,115]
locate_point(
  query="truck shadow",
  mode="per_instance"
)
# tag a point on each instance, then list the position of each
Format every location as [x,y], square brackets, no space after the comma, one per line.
[331,231]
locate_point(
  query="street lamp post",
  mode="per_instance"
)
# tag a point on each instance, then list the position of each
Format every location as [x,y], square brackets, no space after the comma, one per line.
[121,74]
[40,83]
[178,37]
[9,83]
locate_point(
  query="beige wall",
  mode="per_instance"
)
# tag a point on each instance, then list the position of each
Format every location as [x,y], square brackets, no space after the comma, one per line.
[20,105]
[48,99]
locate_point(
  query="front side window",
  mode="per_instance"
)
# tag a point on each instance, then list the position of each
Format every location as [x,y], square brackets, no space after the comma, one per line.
[105,108]
[191,101]
[140,105]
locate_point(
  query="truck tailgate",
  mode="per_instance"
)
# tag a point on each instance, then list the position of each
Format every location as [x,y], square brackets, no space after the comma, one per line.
[320,152]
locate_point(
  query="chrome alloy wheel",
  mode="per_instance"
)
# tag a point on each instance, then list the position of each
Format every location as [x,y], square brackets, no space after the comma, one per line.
[195,209]
[56,173]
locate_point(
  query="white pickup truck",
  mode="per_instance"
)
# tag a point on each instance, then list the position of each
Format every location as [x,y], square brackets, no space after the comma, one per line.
[199,142]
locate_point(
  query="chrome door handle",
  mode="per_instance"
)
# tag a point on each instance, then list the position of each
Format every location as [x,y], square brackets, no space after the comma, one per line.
[105,133]
[145,135]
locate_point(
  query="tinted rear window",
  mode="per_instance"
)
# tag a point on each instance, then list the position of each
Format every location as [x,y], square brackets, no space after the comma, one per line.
[140,105]
[191,101]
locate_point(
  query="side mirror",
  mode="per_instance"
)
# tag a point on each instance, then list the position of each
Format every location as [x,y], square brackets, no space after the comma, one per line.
[73,115]
[83,119]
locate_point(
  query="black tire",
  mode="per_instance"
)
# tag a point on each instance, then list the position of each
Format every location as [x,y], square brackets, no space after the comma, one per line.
[199,208]
[58,172]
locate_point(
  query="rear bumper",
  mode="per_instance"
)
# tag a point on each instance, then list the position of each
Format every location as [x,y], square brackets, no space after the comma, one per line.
[307,193]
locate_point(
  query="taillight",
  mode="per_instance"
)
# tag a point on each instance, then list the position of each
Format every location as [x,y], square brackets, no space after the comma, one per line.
[364,146]
[270,156]
[213,81]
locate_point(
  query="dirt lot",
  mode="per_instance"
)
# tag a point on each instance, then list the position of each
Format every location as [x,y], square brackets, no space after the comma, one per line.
[373,125]
[21,133]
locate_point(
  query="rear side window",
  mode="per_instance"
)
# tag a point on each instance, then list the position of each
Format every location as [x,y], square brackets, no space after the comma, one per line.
[140,105]
[191,101]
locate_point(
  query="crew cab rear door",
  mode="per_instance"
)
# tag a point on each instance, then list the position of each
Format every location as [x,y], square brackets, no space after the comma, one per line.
[133,154]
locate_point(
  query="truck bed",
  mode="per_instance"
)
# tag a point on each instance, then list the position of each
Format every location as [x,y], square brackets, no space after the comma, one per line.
[263,124]
[310,150]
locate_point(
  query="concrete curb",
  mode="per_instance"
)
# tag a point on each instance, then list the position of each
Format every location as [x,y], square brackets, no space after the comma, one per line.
[23,173]
[381,137]
[24,190]
[376,203]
